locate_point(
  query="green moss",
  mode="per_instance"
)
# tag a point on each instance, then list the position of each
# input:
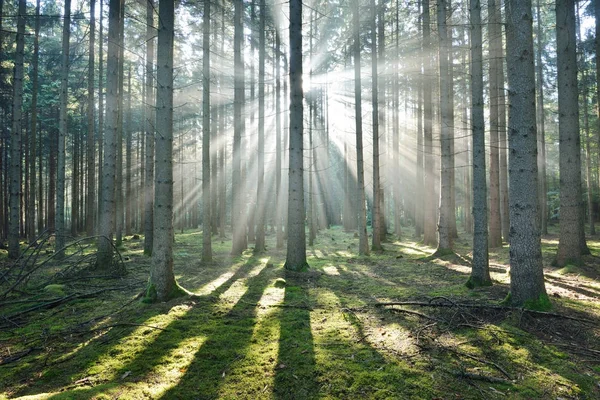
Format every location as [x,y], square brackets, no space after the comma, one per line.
[473,283]
[542,303]
[55,289]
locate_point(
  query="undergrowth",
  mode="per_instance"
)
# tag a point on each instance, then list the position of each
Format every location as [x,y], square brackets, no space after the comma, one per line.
[399,324]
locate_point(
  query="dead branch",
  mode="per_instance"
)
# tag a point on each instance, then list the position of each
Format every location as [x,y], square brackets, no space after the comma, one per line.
[451,304]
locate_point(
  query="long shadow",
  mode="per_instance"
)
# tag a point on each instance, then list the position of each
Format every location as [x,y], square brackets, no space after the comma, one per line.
[296,374]
[199,320]
[227,343]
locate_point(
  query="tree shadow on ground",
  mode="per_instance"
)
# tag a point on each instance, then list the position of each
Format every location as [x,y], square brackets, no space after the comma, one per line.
[296,374]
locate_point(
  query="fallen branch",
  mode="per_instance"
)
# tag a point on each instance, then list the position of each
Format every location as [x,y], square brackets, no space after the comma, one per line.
[483,306]
[479,377]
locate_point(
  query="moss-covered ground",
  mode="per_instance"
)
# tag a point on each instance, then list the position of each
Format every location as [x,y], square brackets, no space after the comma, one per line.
[254,331]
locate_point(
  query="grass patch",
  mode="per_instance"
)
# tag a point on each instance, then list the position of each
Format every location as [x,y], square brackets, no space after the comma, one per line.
[255,330]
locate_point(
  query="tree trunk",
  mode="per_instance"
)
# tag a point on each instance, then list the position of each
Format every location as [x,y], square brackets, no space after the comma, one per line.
[237,214]
[376,210]
[526,272]
[129,198]
[223,148]
[588,157]
[363,240]
[108,204]
[15,142]
[31,209]
[91,150]
[429,213]
[296,248]
[571,208]
[480,274]
[278,149]
[162,285]
[206,184]
[259,245]
[495,228]
[541,120]
[150,120]
[62,134]
[446,213]
[100,137]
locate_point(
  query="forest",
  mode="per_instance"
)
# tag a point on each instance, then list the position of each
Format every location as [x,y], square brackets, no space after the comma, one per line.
[337,199]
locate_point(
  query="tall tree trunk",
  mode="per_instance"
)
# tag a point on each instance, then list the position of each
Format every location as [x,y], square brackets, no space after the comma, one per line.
[495,228]
[502,143]
[129,198]
[259,245]
[31,209]
[119,175]
[363,240]
[526,272]
[446,213]
[278,149]
[149,127]
[541,121]
[62,134]
[376,211]
[420,168]
[108,204]
[296,249]
[588,157]
[100,137]
[15,142]
[91,150]
[223,148]
[429,226]
[206,183]
[162,285]
[480,274]
[237,213]
[571,208]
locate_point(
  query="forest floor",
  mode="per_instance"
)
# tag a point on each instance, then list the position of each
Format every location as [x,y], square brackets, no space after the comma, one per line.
[255,331]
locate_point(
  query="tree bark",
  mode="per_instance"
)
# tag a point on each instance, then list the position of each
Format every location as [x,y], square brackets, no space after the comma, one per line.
[31,209]
[480,274]
[206,184]
[162,285]
[527,276]
[108,204]
[60,242]
[296,248]
[495,227]
[15,142]
[149,127]
[259,245]
[91,148]
[446,213]
[237,214]
[541,120]
[571,202]
[376,210]
[429,213]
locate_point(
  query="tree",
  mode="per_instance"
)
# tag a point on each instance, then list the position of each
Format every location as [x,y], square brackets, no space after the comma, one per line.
[15,142]
[480,274]
[162,284]
[31,210]
[541,119]
[237,214]
[376,211]
[278,147]
[494,29]
[62,134]
[108,202]
[259,245]
[446,211]
[296,249]
[149,127]
[527,276]
[91,150]
[363,240]
[206,184]
[429,213]
[571,202]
